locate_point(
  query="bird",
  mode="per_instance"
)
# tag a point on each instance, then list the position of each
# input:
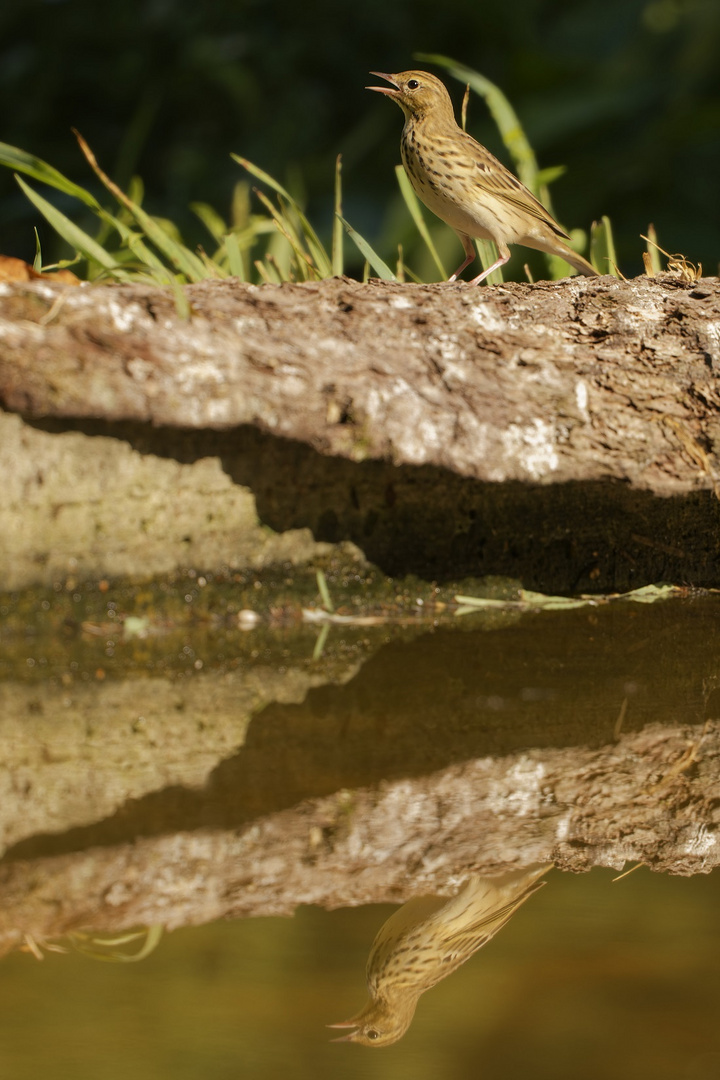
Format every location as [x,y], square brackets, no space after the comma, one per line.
[427,939]
[463,183]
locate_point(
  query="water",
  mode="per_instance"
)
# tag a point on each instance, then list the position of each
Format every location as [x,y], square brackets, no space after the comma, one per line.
[166,791]
[591,979]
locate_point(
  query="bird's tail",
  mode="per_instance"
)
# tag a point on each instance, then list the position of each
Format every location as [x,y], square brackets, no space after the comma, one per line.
[577,261]
[553,245]
[581,265]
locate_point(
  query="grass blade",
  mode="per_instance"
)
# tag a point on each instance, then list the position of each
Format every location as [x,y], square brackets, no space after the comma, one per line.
[105,947]
[211,220]
[19,161]
[413,204]
[236,263]
[338,235]
[381,269]
[318,252]
[76,237]
[286,229]
[178,255]
[37,261]
[653,250]
[602,247]
[488,253]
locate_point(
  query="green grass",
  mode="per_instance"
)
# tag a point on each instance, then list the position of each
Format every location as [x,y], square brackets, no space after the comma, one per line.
[267,236]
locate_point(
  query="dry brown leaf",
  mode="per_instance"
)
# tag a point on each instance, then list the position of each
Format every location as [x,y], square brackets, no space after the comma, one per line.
[12,269]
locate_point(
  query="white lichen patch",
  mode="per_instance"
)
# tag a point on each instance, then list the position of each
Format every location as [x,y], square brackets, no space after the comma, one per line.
[218,413]
[519,790]
[122,315]
[247,324]
[379,397]
[533,447]
[15,334]
[646,313]
[484,315]
[294,384]
[140,370]
[649,307]
[712,330]
[196,369]
[48,292]
[454,371]
[448,347]
[702,842]
[581,397]
[401,302]
[428,436]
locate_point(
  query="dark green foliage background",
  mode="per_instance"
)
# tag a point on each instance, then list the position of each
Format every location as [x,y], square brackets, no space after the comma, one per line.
[625,93]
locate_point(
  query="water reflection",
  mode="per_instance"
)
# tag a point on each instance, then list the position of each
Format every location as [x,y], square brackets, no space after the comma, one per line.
[591,738]
[427,939]
[592,979]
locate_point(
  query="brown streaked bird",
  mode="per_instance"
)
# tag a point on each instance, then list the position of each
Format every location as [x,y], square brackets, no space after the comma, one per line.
[427,939]
[463,183]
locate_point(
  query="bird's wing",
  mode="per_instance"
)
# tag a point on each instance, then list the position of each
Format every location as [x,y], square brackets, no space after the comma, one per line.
[471,931]
[498,181]
[401,922]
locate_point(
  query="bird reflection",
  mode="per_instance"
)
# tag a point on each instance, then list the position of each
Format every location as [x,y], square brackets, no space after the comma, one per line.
[427,939]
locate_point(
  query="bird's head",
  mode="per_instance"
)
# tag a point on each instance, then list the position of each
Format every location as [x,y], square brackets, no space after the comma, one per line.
[379,1023]
[416,92]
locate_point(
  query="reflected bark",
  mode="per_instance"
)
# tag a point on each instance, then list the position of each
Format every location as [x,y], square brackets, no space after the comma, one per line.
[651,797]
[582,739]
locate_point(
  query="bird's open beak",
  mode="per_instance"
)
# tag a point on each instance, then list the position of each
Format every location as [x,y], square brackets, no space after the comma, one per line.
[346,1023]
[385,89]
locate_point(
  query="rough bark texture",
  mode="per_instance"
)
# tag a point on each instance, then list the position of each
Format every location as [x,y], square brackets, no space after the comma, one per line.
[654,797]
[565,434]
[517,430]
[581,380]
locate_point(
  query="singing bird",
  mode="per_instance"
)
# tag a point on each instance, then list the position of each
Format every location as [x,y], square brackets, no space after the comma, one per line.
[427,939]
[463,183]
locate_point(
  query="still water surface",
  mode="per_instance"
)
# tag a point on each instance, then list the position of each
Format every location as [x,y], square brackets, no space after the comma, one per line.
[591,978]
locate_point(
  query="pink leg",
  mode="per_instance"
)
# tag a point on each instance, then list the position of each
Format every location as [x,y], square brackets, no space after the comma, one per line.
[470,252]
[504,256]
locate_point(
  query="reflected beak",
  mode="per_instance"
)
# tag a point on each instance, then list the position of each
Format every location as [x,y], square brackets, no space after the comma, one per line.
[345,1023]
[385,89]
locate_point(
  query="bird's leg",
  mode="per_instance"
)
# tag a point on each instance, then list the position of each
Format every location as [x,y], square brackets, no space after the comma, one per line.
[470,252]
[504,256]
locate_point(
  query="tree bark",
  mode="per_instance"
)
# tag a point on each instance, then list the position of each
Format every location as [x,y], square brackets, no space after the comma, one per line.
[586,379]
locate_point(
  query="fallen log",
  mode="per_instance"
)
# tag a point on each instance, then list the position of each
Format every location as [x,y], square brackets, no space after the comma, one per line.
[522,430]
[585,379]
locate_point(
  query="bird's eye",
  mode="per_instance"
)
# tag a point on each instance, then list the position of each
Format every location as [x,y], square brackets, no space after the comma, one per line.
[413,84]
[373,1034]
